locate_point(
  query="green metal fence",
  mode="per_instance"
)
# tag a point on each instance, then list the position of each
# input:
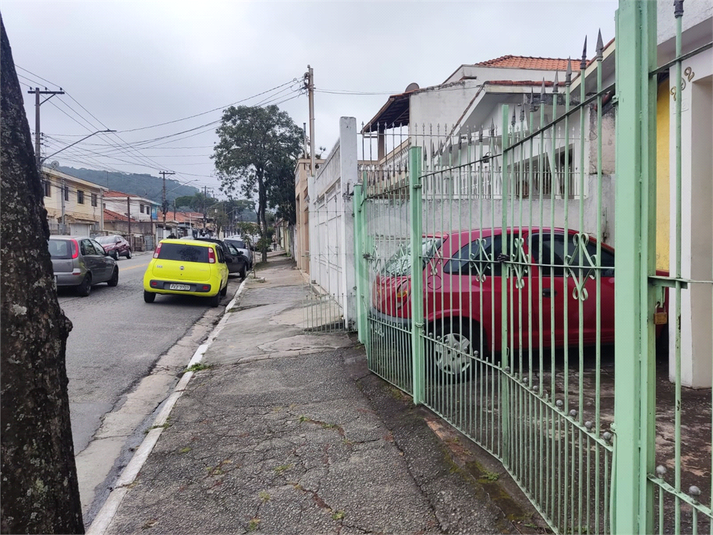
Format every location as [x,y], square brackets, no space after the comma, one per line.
[486,283]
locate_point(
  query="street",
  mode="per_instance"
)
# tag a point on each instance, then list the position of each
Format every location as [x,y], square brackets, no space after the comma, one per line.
[113,353]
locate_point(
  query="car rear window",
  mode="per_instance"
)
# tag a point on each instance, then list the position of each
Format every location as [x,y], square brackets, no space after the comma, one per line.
[183,252]
[60,248]
[105,239]
[240,244]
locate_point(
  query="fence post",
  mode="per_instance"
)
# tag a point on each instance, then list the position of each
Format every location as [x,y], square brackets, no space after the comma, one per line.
[505,349]
[361,274]
[416,275]
[635,201]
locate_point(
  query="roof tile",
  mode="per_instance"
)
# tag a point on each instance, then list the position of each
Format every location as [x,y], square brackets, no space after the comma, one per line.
[528,62]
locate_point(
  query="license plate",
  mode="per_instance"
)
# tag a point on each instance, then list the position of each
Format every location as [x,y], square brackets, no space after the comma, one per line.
[184,287]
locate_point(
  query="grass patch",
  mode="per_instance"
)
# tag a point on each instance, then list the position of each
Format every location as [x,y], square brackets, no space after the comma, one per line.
[338,515]
[198,366]
[489,476]
[264,496]
[185,450]
[253,524]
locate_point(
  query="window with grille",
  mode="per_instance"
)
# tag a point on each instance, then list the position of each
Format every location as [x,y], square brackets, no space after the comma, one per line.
[80,196]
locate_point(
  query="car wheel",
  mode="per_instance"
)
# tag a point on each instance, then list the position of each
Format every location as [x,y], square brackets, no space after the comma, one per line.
[115,255]
[215,300]
[224,291]
[149,297]
[455,350]
[243,272]
[128,254]
[85,288]
[114,277]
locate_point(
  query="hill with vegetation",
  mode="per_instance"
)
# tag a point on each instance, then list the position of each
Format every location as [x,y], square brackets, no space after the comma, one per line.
[143,185]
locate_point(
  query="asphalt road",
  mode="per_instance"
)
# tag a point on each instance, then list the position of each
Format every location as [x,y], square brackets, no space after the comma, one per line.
[115,341]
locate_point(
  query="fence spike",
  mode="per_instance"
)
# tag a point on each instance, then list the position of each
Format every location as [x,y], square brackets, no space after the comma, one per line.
[555,83]
[600,46]
[583,63]
[568,73]
[678,8]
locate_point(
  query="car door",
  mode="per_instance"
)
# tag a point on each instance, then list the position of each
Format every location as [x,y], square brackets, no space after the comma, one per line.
[569,285]
[104,263]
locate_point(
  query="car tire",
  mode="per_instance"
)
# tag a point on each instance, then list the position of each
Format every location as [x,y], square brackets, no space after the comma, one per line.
[115,255]
[215,300]
[224,291]
[453,354]
[128,254]
[149,297]
[114,277]
[85,288]
[243,272]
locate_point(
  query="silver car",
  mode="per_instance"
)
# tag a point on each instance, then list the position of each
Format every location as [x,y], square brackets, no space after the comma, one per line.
[81,262]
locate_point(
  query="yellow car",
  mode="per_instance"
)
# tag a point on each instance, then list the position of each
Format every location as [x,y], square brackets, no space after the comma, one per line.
[187,267]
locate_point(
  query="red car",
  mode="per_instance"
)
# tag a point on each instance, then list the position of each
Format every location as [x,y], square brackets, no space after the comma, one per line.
[462,287]
[115,246]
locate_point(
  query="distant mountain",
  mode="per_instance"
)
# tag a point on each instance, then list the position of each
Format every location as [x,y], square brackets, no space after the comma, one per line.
[147,186]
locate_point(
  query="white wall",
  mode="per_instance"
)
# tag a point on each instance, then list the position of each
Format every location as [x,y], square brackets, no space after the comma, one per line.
[331,221]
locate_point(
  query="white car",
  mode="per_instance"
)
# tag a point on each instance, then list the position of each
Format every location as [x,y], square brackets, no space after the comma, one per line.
[243,246]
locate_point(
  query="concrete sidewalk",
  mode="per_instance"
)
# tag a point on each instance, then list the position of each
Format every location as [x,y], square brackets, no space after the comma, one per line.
[287,432]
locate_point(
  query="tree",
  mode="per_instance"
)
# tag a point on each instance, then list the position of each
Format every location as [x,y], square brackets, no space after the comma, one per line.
[255,148]
[39,491]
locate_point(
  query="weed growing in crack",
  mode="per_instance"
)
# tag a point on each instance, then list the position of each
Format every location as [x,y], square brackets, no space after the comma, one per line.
[253,524]
[338,515]
[264,496]
[185,450]
[284,468]
[198,366]
[489,476]
[165,425]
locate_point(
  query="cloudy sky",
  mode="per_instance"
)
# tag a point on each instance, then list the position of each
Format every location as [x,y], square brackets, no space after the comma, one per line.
[160,72]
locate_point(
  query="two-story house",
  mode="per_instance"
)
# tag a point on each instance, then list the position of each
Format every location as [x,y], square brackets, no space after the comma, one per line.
[74,206]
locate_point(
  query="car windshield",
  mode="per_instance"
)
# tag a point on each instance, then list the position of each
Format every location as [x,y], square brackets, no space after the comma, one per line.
[399,263]
[60,248]
[105,239]
[183,252]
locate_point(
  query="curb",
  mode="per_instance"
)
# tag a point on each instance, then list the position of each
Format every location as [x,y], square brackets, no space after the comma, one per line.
[106,514]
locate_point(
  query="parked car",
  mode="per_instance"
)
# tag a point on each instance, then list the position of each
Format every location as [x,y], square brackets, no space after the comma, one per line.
[463,293]
[81,262]
[236,260]
[187,267]
[243,245]
[115,245]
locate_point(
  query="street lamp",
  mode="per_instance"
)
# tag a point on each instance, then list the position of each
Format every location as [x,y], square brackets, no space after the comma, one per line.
[42,160]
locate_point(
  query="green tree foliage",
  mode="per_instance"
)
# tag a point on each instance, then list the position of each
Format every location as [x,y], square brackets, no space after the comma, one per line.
[197,202]
[256,154]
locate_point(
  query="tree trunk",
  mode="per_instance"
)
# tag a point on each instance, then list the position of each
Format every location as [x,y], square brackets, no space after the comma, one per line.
[262,219]
[40,493]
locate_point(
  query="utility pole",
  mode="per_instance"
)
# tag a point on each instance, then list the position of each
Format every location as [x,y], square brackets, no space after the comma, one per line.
[37,93]
[309,85]
[164,205]
[128,218]
[205,198]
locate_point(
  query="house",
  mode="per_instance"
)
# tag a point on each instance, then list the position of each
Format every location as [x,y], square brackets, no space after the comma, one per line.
[74,206]
[301,242]
[138,208]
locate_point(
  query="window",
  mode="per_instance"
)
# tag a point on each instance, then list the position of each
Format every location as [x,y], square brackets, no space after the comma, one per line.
[48,188]
[471,261]
[94,199]
[80,196]
[553,257]
[141,208]
[66,193]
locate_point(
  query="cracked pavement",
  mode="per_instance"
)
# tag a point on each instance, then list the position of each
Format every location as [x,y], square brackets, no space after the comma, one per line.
[287,432]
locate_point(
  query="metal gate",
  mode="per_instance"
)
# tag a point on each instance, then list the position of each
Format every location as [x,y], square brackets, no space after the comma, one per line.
[486,281]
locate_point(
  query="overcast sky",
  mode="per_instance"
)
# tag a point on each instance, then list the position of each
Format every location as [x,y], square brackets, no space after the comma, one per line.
[129,66]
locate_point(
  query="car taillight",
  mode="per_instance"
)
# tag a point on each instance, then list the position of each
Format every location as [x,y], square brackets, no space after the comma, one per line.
[75,249]
[402,293]
[211,255]
[157,251]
